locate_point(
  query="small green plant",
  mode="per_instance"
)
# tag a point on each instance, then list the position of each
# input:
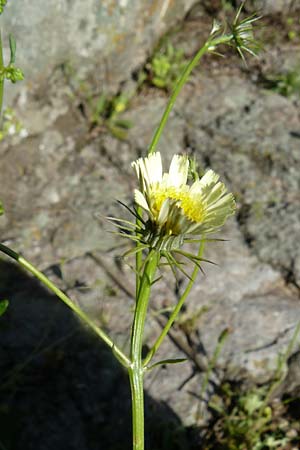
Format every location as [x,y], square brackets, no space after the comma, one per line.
[164,67]
[227,5]
[293,28]
[286,84]
[11,125]
[104,112]
[254,420]
[245,422]
[3,306]
[10,71]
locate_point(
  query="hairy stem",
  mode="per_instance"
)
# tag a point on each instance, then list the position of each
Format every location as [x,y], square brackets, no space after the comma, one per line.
[210,43]
[136,371]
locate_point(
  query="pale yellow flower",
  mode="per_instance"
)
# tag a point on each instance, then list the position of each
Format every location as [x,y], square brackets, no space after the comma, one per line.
[176,208]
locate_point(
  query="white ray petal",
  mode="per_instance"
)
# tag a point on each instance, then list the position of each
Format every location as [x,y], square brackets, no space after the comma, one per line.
[178,171]
[140,200]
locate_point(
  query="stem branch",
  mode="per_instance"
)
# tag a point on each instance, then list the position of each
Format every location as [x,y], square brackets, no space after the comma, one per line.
[40,276]
[175,312]
[136,370]
[181,82]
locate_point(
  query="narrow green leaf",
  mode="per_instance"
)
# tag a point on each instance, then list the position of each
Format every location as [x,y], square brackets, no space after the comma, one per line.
[13,48]
[123,123]
[156,280]
[3,306]
[167,361]
[134,250]
[117,132]
[1,208]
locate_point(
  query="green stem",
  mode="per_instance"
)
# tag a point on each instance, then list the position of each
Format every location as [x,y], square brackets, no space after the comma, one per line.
[136,371]
[175,312]
[40,276]
[1,80]
[163,121]
[181,82]
[137,405]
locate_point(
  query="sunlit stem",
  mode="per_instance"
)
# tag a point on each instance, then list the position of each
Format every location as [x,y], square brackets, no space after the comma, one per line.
[136,370]
[175,312]
[40,276]
[209,44]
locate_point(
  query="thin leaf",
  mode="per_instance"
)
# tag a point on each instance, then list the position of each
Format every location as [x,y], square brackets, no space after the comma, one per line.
[124,235]
[170,263]
[195,241]
[117,132]
[133,212]
[115,219]
[194,258]
[3,306]
[156,280]
[123,123]
[13,48]
[178,265]
[166,361]
[125,228]
[135,250]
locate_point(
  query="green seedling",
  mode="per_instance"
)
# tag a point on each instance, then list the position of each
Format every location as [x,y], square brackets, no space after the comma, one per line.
[3,306]
[164,67]
[244,422]
[105,112]
[11,125]
[286,84]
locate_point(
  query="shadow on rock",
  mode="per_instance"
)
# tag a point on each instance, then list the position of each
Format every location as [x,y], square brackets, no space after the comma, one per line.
[60,387]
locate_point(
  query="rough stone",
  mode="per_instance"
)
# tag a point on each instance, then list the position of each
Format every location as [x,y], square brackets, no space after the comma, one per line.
[272,6]
[252,139]
[93,37]
[53,183]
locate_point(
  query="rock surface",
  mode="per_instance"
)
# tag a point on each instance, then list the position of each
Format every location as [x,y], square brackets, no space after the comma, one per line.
[106,39]
[113,37]
[59,182]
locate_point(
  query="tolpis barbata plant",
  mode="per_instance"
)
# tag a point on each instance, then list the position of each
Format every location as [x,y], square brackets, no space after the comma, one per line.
[171,208]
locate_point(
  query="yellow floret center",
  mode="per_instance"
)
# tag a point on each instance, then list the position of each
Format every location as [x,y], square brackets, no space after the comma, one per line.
[192,206]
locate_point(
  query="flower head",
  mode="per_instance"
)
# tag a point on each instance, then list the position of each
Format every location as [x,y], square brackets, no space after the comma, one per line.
[176,209]
[243,34]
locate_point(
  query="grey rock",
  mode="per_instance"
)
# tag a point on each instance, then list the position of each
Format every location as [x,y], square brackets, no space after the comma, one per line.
[54,183]
[250,138]
[273,6]
[93,37]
